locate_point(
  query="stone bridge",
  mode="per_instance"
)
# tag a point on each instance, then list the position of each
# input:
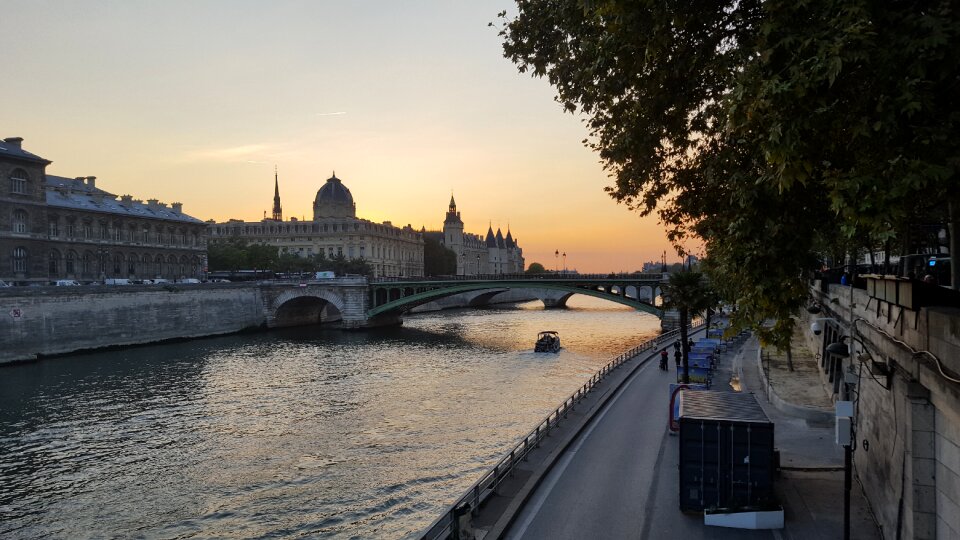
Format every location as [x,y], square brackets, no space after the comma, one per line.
[356,303]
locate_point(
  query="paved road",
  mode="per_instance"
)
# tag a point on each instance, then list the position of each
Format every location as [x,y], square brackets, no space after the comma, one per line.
[619,479]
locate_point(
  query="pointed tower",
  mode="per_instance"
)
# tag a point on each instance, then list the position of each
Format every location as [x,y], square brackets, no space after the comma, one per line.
[453,234]
[277,210]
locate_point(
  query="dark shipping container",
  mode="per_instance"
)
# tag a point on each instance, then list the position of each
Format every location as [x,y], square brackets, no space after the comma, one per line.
[726,451]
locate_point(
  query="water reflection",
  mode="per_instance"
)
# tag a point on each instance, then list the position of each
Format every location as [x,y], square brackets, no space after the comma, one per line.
[298,431]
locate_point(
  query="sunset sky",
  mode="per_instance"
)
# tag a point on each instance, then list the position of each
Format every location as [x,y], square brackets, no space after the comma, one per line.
[407,101]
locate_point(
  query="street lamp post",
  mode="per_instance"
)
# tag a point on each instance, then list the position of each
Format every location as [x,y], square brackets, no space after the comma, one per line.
[556,261]
[564,262]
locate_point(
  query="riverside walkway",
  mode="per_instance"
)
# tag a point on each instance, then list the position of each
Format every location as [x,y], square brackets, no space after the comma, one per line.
[611,471]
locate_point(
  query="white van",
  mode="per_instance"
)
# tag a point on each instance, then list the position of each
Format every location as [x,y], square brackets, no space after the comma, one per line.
[66,283]
[116,281]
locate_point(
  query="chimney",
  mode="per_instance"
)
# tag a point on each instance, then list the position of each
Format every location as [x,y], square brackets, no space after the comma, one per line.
[92,181]
[14,141]
[152,203]
[126,199]
[177,207]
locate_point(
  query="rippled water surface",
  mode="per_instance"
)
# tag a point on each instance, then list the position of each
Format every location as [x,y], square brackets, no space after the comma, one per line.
[301,432]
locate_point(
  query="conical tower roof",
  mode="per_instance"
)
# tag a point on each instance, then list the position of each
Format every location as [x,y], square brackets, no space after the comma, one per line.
[491,239]
[500,242]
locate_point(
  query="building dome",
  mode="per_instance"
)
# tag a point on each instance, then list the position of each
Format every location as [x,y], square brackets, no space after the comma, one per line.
[334,200]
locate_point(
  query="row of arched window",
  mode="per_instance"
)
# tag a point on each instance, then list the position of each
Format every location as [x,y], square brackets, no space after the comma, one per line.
[88,229]
[93,265]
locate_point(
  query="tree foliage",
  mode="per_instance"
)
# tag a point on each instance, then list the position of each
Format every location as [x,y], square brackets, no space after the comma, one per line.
[536,268]
[236,254]
[770,130]
[438,260]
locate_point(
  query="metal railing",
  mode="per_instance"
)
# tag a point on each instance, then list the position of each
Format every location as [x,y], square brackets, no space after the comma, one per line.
[547,276]
[447,525]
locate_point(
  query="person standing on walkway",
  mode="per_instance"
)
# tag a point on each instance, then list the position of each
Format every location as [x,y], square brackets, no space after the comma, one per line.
[663,359]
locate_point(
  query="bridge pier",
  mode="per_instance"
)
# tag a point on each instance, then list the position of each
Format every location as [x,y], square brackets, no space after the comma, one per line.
[554,303]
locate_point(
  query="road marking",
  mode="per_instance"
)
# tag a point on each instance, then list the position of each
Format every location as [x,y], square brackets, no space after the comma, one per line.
[542,493]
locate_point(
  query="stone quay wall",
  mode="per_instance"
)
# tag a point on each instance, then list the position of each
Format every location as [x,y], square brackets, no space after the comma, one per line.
[40,321]
[907,453]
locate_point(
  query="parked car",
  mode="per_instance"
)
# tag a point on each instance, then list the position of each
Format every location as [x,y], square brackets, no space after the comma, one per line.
[4,284]
[66,283]
[188,281]
[116,281]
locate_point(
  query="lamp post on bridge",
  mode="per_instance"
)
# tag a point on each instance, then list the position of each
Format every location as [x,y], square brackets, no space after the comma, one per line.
[564,263]
[556,261]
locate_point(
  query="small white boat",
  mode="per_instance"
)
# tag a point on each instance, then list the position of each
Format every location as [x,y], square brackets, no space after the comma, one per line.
[547,341]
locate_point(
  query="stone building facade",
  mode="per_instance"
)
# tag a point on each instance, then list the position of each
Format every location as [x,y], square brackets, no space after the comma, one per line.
[335,230]
[54,228]
[476,254]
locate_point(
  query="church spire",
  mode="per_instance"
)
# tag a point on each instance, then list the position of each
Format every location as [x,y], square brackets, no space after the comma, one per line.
[277,210]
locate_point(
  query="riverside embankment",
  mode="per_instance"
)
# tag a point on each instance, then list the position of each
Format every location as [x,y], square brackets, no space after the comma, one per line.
[45,321]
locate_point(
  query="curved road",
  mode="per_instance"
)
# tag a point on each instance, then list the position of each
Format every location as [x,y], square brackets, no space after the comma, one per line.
[619,479]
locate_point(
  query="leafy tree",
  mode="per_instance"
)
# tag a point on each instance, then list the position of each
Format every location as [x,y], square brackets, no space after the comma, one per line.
[228,256]
[536,268]
[769,129]
[261,257]
[437,259]
[688,293]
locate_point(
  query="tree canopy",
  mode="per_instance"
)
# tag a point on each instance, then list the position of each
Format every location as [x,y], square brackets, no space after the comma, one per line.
[771,130]
[536,268]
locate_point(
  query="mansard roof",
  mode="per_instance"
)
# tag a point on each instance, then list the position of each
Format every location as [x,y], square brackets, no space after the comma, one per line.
[74,194]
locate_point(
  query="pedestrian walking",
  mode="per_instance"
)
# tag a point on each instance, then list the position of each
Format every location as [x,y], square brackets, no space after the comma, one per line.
[663,359]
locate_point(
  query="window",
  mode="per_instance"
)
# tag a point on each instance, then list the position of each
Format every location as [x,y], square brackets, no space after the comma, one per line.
[87,231]
[104,233]
[69,263]
[18,181]
[71,230]
[117,264]
[132,265]
[54,229]
[19,221]
[54,263]
[20,260]
[85,263]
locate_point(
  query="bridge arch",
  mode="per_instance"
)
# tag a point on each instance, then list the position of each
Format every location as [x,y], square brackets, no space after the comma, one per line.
[300,307]
[397,304]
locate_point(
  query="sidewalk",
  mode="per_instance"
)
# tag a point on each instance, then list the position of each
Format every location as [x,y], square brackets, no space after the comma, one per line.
[811,484]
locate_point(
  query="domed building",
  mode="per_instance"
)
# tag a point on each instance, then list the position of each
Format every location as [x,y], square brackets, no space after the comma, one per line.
[334,231]
[334,200]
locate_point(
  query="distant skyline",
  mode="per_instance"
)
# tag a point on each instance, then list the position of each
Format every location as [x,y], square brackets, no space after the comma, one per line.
[197,102]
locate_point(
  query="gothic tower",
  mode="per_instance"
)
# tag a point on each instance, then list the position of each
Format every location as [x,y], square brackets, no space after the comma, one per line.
[277,211]
[453,234]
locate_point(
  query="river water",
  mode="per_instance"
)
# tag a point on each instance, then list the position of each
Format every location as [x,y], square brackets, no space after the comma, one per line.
[302,432]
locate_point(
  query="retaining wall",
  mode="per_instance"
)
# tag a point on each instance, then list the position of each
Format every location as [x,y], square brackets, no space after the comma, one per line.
[55,320]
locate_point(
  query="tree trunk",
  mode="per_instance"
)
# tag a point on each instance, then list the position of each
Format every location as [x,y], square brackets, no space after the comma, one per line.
[790,356]
[954,230]
[709,314]
[683,345]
